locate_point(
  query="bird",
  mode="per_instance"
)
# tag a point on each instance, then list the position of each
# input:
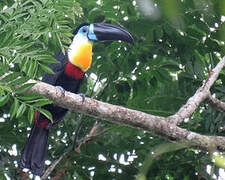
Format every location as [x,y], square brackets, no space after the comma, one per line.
[68,75]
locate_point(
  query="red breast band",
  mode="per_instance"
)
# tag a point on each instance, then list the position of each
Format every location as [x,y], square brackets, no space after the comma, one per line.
[73,71]
[41,124]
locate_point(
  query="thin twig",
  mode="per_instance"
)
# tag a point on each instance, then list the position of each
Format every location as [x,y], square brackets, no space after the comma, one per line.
[52,167]
[91,133]
[216,103]
[77,132]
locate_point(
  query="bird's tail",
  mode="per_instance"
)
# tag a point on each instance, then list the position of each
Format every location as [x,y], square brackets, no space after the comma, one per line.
[33,154]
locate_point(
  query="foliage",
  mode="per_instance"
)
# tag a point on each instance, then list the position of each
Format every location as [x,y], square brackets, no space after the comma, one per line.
[175,48]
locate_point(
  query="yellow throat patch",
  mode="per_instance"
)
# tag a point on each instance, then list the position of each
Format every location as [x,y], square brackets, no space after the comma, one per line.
[82,58]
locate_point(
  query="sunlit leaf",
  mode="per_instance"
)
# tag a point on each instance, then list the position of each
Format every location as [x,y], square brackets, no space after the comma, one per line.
[14,108]
[31,115]
[20,110]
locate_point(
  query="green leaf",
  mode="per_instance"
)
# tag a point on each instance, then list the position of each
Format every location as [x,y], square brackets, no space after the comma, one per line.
[8,37]
[219,159]
[47,59]
[18,81]
[198,70]
[60,42]
[18,16]
[30,97]
[31,114]
[2,177]
[32,68]
[47,69]
[4,18]
[6,88]
[14,108]
[42,102]
[10,77]
[46,113]
[24,88]
[3,100]
[21,110]
[2,92]
[28,2]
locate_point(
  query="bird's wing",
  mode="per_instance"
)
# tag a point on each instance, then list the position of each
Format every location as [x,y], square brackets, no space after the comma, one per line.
[58,68]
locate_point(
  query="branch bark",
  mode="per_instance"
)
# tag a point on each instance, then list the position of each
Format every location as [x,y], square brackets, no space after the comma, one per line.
[216,103]
[52,167]
[164,127]
[201,94]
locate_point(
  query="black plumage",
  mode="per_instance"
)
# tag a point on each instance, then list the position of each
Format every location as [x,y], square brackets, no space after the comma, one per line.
[33,154]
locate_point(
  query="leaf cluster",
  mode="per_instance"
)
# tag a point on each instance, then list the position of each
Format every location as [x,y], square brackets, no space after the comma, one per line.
[31,32]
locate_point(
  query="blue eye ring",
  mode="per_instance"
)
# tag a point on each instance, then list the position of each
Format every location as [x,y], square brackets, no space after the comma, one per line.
[84,30]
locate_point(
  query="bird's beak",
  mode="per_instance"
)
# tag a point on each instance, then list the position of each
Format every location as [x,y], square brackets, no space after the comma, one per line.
[108,32]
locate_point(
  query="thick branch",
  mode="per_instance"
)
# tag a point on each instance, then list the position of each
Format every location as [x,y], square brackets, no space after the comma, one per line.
[165,127]
[201,94]
[120,115]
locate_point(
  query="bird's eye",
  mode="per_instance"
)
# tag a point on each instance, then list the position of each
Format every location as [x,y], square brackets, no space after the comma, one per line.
[84,30]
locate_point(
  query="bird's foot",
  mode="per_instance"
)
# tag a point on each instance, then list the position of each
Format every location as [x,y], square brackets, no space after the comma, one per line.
[51,125]
[62,90]
[82,96]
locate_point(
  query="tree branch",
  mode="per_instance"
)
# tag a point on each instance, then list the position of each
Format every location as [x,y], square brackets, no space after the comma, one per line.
[61,172]
[52,167]
[88,138]
[216,103]
[155,124]
[200,95]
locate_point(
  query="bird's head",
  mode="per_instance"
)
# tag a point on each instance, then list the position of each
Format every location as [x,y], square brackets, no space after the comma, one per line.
[80,51]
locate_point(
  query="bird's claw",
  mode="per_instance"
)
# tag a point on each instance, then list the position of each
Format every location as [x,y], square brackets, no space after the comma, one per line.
[82,96]
[49,126]
[52,124]
[61,89]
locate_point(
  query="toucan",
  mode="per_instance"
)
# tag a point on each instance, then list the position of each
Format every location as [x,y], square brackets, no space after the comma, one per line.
[69,74]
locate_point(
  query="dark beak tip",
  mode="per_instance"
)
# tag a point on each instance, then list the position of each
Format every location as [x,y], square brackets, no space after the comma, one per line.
[131,40]
[108,32]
